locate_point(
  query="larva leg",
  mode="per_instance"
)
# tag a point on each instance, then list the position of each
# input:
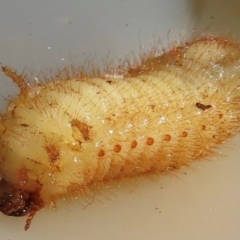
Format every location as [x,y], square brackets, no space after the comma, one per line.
[17,78]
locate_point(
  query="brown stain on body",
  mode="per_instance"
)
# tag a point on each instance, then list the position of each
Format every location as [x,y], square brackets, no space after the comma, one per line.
[203,106]
[53,152]
[80,129]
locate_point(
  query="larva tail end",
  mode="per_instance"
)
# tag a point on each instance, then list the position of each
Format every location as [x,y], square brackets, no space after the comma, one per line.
[17,203]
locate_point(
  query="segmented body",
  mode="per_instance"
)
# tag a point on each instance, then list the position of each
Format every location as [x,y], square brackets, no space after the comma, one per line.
[61,137]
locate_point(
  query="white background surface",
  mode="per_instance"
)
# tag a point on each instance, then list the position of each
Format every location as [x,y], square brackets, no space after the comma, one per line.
[201,204]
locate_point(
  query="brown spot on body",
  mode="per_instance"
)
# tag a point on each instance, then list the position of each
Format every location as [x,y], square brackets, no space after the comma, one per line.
[134,144]
[203,106]
[152,106]
[24,125]
[150,141]
[167,137]
[203,127]
[184,134]
[117,148]
[52,152]
[101,153]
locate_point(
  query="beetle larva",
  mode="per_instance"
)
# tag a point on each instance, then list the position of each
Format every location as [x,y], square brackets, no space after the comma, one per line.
[62,137]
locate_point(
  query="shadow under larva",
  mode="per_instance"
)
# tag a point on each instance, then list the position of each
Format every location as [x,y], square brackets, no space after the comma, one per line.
[60,138]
